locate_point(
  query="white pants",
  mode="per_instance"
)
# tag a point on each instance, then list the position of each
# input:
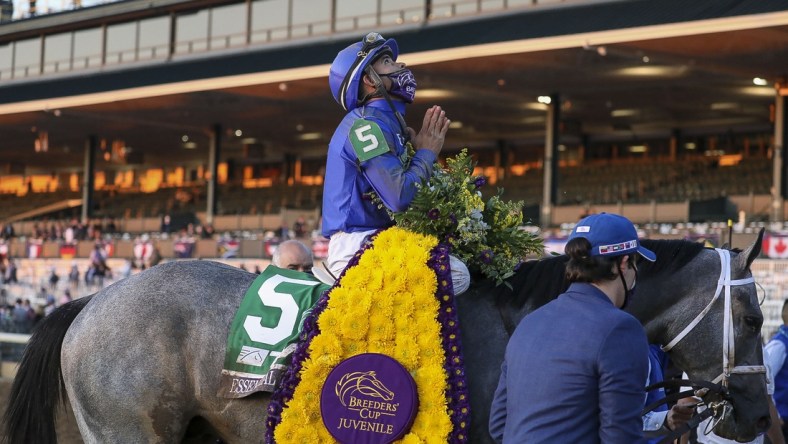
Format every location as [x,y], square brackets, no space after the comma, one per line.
[342,246]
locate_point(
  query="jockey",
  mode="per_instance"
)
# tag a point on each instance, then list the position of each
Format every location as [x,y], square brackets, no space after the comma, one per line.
[373,150]
[574,369]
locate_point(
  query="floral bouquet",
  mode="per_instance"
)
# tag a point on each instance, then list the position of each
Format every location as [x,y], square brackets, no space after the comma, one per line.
[486,236]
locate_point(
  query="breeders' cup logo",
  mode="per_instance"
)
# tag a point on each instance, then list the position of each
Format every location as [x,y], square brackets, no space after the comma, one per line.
[368,399]
[364,383]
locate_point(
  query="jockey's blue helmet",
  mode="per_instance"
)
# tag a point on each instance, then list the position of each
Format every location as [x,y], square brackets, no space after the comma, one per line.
[611,235]
[349,65]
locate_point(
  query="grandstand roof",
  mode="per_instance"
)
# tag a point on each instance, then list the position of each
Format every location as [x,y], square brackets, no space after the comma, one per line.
[617,82]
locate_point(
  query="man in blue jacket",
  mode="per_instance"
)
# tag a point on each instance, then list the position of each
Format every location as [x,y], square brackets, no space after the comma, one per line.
[775,359]
[575,369]
[372,149]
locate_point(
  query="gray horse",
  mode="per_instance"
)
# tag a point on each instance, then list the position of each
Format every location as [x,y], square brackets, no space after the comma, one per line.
[139,361]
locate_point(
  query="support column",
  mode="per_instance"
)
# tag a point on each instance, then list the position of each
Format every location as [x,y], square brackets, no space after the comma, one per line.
[214,148]
[88,177]
[779,184]
[499,162]
[675,140]
[550,165]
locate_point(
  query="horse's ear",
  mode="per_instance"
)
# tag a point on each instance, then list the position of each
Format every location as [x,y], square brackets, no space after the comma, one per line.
[746,257]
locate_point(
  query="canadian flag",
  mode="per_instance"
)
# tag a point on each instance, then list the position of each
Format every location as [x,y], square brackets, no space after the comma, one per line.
[775,246]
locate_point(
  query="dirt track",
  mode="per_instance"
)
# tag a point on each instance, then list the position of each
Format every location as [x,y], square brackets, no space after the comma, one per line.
[67,432]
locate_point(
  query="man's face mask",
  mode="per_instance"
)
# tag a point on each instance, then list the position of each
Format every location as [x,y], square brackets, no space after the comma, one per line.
[403,84]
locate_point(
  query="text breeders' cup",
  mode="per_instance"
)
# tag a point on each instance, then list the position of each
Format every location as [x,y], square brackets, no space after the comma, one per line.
[369,399]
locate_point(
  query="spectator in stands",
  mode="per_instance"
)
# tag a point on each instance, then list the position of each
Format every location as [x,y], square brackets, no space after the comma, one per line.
[53,278]
[208,232]
[293,255]
[66,298]
[7,231]
[166,223]
[591,355]
[370,151]
[73,275]
[775,359]
[9,274]
[98,268]
[299,228]
[23,315]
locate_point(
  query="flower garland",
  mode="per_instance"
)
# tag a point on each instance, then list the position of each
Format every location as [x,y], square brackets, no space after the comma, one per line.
[416,286]
[486,236]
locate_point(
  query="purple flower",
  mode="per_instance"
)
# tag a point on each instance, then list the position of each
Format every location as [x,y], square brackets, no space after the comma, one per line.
[434,213]
[480,181]
[486,256]
[453,219]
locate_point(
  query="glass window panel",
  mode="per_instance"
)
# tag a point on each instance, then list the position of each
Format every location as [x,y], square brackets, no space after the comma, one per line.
[87,48]
[121,42]
[57,53]
[401,11]
[492,5]
[154,38]
[228,26]
[269,20]
[28,58]
[191,32]
[352,15]
[311,18]
[6,52]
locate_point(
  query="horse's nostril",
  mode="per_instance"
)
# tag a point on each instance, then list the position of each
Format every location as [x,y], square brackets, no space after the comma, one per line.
[764,422]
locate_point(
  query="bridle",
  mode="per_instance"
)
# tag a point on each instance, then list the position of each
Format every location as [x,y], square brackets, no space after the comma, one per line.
[720,384]
[724,283]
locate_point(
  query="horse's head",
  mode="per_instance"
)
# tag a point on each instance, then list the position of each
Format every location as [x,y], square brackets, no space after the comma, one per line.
[705,322]
[365,383]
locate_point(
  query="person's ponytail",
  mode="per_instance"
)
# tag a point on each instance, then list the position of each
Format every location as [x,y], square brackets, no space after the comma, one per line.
[582,267]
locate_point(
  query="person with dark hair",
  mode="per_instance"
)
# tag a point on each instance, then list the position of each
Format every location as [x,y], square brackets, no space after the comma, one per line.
[373,150]
[775,359]
[582,381]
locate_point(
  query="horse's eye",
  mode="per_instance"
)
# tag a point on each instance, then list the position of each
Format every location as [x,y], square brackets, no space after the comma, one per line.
[753,322]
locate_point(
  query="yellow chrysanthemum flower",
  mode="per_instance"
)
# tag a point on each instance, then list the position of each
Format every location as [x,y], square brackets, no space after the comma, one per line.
[326,347]
[354,326]
[329,320]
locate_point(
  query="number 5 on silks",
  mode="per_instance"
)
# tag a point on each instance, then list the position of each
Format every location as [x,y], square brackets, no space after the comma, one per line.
[367,139]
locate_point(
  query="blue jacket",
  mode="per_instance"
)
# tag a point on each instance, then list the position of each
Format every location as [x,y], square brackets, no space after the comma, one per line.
[574,371]
[347,180]
[781,377]
[658,362]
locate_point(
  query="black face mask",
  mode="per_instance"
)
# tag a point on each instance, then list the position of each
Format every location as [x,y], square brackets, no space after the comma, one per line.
[628,292]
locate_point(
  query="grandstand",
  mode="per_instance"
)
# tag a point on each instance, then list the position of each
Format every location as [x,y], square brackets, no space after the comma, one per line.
[217,114]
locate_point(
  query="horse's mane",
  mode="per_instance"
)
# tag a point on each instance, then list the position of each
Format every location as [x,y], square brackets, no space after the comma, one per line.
[537,282]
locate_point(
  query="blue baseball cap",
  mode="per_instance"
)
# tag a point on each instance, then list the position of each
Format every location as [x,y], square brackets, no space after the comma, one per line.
[611,235]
